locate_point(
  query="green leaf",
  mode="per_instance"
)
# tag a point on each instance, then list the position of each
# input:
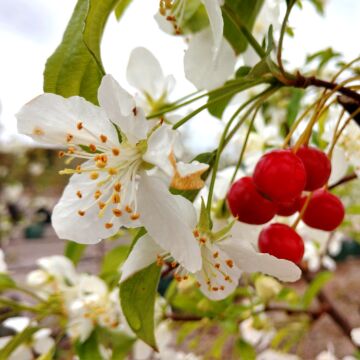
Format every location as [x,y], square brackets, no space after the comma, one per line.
[204,219]
[323,57]
[49,355]
[16,341]
[75,67]
[74,251]
[121,7]
[315,287]
[244,13]
[6,282]
[89,350]
[294,105]
[137,296]
[244,350]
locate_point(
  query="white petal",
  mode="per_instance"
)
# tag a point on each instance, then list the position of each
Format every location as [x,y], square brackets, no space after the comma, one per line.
[339,165]
[355,336]
[160,146]
[249,260]
[143,254]
[216,21]
[43,342]
[219,287]
[17,323]
[201,68]
[90,284]
[144,73]
[185,169]
[59,267]
[170,220]
[3,266]
[121,108]
[49,118]
[87,229]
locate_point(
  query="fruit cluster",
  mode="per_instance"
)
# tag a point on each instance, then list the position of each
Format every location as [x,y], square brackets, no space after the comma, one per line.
[277,188]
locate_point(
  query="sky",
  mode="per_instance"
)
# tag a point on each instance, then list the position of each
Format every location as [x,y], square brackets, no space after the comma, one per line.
[31,30]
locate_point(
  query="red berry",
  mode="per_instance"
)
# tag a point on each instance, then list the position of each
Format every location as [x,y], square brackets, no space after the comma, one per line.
[280,175]
[281,241]
[317,166]
[324,211]
[247,204]
[288,208]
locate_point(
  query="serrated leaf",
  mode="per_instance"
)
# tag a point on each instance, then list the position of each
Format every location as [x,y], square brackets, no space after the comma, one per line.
[75,67]
[74,251]
[315,287]
[16,341]
[137,297]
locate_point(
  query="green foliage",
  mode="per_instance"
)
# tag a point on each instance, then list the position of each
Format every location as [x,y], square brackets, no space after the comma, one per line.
[315,287]
[244,350]
[49,355]
[137,296]
[74,251]
[121,8]
[244,13]
[16,341]
[294,105]
[323,57]
[6,282]
[75,67]
[89,349]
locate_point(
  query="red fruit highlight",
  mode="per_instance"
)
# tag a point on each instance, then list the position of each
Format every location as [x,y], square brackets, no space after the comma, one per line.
[247,204]
[280,175]
[317,166]
[325,211]
[288,208]
[281,241]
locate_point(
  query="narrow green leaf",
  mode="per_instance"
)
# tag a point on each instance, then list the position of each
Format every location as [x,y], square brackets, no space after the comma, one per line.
[74,251]
[244,350]
[294,105]
[49,355]
[75,67]
[315,287]
[16,341]
[6,282]
[137,296]
[89,350]
[121,8]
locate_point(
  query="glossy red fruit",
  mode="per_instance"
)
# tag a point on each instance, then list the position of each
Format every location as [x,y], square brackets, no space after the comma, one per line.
[288,208]
[280,175]
[247,204]
[281,241]
[317,166]
[324,211]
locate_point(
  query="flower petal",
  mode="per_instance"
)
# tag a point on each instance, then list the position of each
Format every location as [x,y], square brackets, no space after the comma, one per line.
[249,260]
[170,220]
[199,62]
[144,73]
[339,165]
[91,227]
[143,254]
[121,108]
[213,10]
[50,119]
[160,147]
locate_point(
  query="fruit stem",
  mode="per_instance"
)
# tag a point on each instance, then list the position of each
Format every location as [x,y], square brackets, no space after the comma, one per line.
[302,212]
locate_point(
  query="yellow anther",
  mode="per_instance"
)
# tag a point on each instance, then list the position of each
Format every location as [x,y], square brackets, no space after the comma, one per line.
[159,260]
[115,198]
[178,278]
[79,125]
[227,278]
[197,284]
[109,225]
[112,171]
[202,240]
[94,175]
[79,194]
[71,150]
[128,209]
[173,264]
[103,138]
[134,216]
[217,266]
[97,194]
[215,254]
[92,147]
[115,151]
[117,212]
[222,287]
[185,277]
[81,212]
[78,168]
[69,137]
[38,131]
[61,154]
[215,288]
[229,263]
[117,187]
[101,205]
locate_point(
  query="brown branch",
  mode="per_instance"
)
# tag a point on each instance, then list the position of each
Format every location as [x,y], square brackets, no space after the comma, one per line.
[344,180]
